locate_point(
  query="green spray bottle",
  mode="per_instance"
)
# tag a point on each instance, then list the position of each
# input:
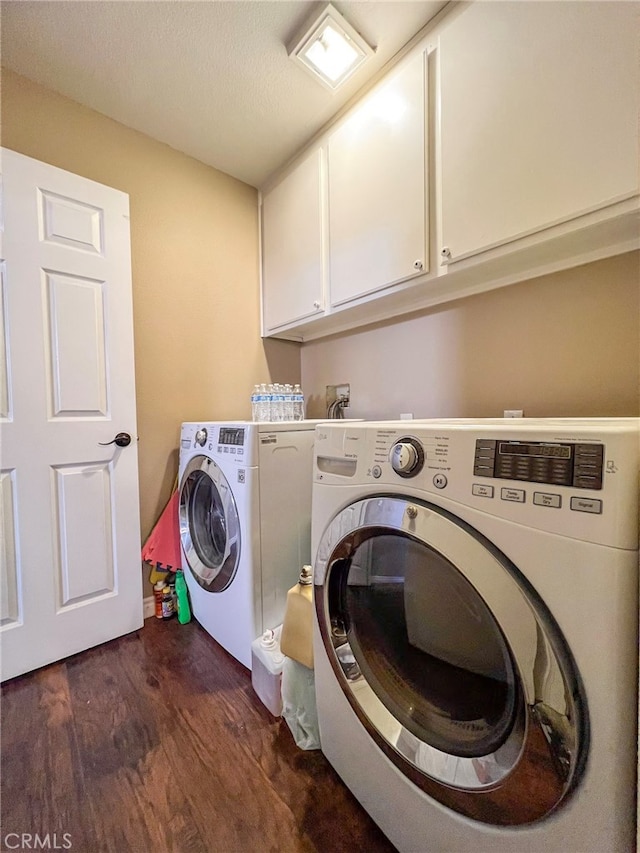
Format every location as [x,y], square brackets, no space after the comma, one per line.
[182,595]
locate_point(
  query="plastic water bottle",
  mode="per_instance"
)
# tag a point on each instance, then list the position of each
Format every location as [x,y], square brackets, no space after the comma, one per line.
[282,412]
[263,404]
[298,403]
[255,403]
[288,403]
[276,407]
[271,403]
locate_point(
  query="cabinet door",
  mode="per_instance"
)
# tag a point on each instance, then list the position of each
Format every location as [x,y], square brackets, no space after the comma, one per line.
[377,188]
[539,117]
[292,245]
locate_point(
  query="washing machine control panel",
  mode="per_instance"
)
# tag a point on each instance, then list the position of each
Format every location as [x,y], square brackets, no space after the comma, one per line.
[559,464]
[232,436]
[407,457]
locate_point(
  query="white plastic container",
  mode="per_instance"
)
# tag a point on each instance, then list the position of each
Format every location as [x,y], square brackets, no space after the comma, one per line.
[267,662]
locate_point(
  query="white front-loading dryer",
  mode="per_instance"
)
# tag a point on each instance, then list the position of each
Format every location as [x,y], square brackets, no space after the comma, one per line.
[476,633]
[245,523]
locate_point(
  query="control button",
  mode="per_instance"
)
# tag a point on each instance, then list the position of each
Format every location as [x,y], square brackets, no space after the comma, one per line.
[440,481]
[407,457]
[594,450]
[586,505]
[587,481]
[504,470]
[482,491]
[539,477]
[546,499]
[483,470]
[516,495]
[376,471]
[484,457]
[201,437]
[404,457]
[587,471]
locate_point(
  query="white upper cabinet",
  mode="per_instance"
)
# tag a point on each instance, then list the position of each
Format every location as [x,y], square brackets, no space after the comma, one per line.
[524,144]
[293,245]
[377,187]
[539,118]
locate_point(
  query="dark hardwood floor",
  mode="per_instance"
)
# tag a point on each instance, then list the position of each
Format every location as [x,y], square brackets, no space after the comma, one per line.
[157,742]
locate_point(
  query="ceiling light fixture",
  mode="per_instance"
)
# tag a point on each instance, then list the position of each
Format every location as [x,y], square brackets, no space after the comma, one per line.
[330,49]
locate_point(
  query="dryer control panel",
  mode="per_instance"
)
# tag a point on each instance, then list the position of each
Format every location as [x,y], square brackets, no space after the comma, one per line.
[559,464]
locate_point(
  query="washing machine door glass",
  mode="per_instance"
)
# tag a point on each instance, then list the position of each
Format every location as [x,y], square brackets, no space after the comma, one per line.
[209,525]
[450,660]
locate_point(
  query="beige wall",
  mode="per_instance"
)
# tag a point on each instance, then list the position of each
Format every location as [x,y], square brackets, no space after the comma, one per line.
[566,344]
[194,246]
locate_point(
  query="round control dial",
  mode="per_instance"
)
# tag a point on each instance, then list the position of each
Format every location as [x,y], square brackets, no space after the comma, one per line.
[407,457]
[201,437]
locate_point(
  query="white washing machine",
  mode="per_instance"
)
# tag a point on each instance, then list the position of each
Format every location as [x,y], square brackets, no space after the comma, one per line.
[476,633]
[245,523]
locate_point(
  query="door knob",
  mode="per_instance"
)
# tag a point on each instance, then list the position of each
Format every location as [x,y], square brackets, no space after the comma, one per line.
[123,439]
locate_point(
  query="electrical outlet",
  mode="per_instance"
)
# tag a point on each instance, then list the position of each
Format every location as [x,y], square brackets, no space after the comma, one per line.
[513,413]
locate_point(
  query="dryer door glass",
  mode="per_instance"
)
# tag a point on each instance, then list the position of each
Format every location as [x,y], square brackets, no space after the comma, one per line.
[428,645]
[449,658]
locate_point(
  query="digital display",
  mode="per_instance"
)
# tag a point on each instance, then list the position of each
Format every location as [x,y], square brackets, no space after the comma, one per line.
[576,464]
[231,435]
[553,451]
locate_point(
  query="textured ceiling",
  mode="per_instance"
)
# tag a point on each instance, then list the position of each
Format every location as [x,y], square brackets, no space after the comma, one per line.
[210,78]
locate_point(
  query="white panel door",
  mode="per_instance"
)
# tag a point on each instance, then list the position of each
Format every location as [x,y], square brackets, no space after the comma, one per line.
[69,515]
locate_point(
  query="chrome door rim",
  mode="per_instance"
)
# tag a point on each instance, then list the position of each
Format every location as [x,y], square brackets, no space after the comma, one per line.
[216,578]
[565,730]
